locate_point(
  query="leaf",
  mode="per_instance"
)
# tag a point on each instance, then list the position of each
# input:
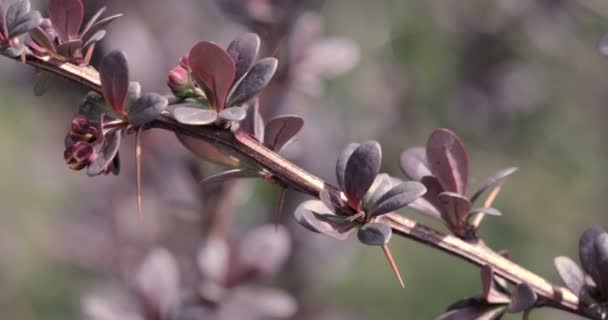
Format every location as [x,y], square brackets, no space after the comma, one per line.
[254,81]
[253,122]
[490,293]
[114,76]
[587,251]
[99,25]
[413,163]
[26,23]
[193,114]
[92,20]
[492,181]
[212,259]
[67,17]
[70,49]
[382,184]
[603,45]
[264,250]
[133,93]
[429,203]
[15,12]
[244,51]
[208,151]
[147,109]
[334,202]
[601,249]
[3,31]
[341,163]
[229,175]
[448,160]
[42,39]
[361,169]
[92,106]
[456,208]
[157,279]
[106,155]
[95,38]
[571,274]
[307,214]
[490,211]
[374,234]
[281,130]
[398,197]
[523,298]
[216,70]
[233,114]
[14,51]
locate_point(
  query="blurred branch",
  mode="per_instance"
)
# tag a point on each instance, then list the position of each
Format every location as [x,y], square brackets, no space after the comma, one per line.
[299,179]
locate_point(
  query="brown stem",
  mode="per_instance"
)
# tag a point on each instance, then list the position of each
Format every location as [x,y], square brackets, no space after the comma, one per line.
[299,179]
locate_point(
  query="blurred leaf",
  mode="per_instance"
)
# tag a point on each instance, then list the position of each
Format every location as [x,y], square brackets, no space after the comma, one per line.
[193,114]
[456,208]
[244,50]
[42,38]
[92,20]
[603,45]
[375,234]
[69,49]
[158,279]
[571,274]
[233,114]
[212,259]
[523,298]
[215,68]
[15,13]
[24,24]
[265,249]
[253,122]
[67,17]
[484,210]
[490,293]
[398,197]
[280,131]
[361,170]
[492,181]
[92,106]
[231,174]
[341,163]
[601,249]
[448,160]
[208,151]
[254,81]
[587,251]
[94,38]
[99,25]
[413,163]
[106,155]
[147,109]
[114,76]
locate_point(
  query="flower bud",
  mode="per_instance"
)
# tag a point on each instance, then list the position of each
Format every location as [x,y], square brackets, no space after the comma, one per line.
[184,61]
[79,155]
[179,82]
[83,130]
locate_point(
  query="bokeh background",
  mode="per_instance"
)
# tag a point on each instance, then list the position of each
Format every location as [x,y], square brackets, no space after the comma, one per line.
[522,82]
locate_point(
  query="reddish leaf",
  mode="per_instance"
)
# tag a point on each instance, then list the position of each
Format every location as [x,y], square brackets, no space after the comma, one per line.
[448,160]
[456,208]
[413,163]
[114,76]
[361,170]
[281,130]
[67,17]
[212,65]
[243,51]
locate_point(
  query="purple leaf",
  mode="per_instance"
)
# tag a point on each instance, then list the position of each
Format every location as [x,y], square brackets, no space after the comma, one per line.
[374,234]
[601,250]
[253,122]
[157,279]
[455,210]
[3,30]
[230,174]
[429,203]
[571,274]
[212,259]
[24,24]
[208,151]
[147,109]
[42,39]
[603,45]
[382,184]
[87,34]
[413,163]
[193,114]
[265,249]
[253,82]
[361,169]
[490,293]
[587,251]
[106,155]
[67,17]
[15,12]
[215,68]
[523,298]
[244,51]
[341,163]
[492,181]
[233,114]
[114,76]
[333,202]
[308,215]
[70,49]
[94,38]
[448,160]
[281,130]
[398,197]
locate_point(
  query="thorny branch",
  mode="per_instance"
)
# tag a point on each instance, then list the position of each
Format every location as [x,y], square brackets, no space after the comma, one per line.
[299,179]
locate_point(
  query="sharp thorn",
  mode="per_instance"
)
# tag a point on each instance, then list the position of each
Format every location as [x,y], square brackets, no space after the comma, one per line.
[391,261]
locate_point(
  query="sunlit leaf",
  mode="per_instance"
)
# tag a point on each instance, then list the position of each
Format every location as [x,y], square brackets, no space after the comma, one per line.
[571,274]
[382,184]
[233,114]
[308,215]
[114,76]
[490,292]
[67,17]
[429,203]
[253,122]
[398,197]
[280,131]
[484,210]
[448,160]
[254,81]
[244,51]
[42,39]
[361,169]
[215,68]
[413,163]
[193,114]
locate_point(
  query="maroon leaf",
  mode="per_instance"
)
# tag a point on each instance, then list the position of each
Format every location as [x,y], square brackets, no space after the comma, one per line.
[429,203]
[99,25]
[212,65]
[253,82]
[413,163]
[375,234]
[490,293]
[456,208]
[571,274]
[523,298]
[67,17]
[244,51]
[281,130]
[253,123]
[587,251]
[448,160]
[398,197]
[310,215]
[114,76]
[3,29]
[361,170]
[492,181]
[341,163]
[107,154]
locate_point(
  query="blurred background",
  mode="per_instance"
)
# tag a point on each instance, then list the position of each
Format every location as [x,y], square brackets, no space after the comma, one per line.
[522,82]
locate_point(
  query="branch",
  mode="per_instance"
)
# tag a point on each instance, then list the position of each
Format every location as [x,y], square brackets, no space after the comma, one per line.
[299,179]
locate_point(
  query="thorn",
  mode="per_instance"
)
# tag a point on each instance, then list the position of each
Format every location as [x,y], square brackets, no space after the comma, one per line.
[138,171]
[89,53]
[391,261]
[280,204]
